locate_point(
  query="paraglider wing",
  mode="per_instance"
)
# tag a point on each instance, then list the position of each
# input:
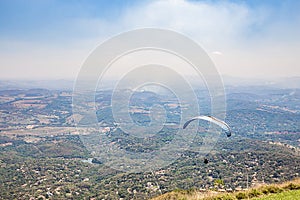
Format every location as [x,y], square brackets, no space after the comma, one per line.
[207,118]
[214,120]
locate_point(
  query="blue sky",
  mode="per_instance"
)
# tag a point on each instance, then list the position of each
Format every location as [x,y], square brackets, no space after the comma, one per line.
[50,39]
[34,19]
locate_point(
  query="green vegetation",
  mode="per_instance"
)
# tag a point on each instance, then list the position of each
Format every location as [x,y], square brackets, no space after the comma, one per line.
[42,156]
[46,168]
[287,195]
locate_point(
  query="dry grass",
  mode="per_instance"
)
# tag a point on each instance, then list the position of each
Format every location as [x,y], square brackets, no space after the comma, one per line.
[259,191]
[183,195]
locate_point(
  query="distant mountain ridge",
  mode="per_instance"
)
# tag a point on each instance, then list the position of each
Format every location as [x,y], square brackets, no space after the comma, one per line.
[62,84]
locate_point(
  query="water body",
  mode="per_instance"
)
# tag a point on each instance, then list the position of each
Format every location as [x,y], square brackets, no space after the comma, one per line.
[89,160]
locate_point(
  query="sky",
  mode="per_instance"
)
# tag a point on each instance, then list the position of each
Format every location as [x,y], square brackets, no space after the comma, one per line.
[50,39]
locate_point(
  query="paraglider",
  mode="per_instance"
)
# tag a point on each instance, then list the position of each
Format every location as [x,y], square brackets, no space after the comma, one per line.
[214,120]
[205,161]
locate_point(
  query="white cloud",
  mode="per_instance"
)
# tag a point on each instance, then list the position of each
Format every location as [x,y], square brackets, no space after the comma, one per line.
[252,41]
[218,53]
[207,22]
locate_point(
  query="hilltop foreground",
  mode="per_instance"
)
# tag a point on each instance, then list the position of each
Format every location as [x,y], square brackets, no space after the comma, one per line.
[284,191]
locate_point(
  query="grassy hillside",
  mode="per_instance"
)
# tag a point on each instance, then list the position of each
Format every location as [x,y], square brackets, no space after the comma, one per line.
[285,191]
[287,195]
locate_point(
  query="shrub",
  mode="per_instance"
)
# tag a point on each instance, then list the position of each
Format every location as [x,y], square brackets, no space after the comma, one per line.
[265,190]
[292,186]
[254,193]
[225,197]
[274,189]
[271,189]
[241,195]
[191,191]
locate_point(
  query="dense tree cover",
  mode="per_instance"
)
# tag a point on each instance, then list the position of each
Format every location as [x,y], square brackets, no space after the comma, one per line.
[263,148]
[52,175]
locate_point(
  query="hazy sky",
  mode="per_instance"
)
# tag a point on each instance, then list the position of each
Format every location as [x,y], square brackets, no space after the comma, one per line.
[50,39]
